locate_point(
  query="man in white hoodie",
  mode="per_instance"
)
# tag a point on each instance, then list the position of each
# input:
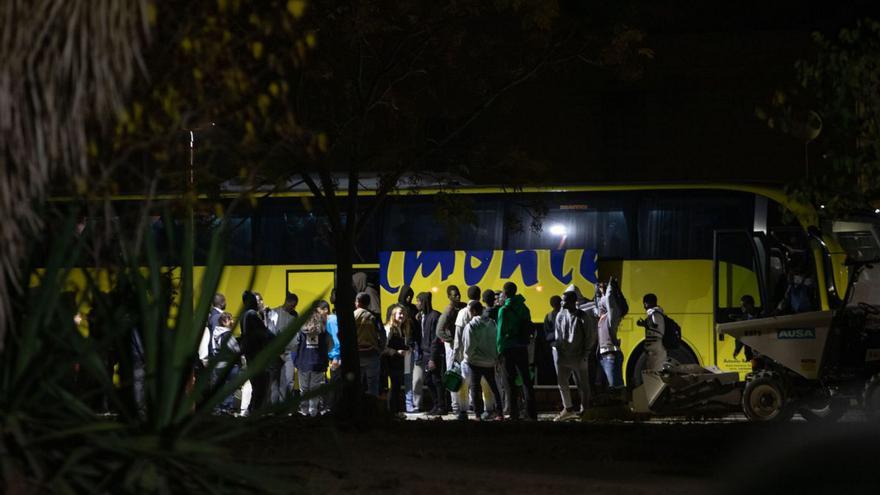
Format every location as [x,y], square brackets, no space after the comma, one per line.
[575,337]
[655,328]
[480,352]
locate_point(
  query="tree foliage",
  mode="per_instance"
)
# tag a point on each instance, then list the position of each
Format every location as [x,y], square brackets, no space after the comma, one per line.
[836,92]
[65,67]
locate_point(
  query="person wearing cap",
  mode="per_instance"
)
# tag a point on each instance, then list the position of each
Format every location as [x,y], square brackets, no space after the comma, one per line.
[575,336]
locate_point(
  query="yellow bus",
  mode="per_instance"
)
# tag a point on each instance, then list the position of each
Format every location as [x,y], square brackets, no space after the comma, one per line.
[698,247]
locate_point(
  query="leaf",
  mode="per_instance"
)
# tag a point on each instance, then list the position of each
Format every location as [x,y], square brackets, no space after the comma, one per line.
[296,8]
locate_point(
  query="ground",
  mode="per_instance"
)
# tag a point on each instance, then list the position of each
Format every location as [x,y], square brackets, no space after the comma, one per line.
[672,456]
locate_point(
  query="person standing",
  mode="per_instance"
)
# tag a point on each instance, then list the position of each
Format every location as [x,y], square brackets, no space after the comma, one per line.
[461,319]
[574,339]
[431,352]
[270,318]
[370,343]
[224,348]
[285,315]
[413,377]
[611,309]
[446,332]
[479,354]
[514,330]
[334,355]
[217,308]
[255,336]
[655,328]
[310,358]
[398,333]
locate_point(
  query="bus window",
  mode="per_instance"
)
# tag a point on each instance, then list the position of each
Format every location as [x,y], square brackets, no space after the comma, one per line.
[679,225]
[431,224]
[574,221]
[238,238]
[289,233]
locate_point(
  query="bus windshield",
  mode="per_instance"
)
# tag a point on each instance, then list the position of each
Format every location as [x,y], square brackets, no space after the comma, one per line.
[859,235]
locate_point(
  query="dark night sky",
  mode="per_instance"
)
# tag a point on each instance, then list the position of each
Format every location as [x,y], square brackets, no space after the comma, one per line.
[692,117]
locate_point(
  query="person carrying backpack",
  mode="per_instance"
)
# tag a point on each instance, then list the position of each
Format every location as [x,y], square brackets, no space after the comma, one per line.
[655,329]
[370,343]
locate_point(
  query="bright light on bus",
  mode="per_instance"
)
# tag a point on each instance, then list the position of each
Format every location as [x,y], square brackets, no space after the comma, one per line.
[558,230]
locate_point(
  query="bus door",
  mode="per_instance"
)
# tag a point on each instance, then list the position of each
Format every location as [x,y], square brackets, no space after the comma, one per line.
[740,266]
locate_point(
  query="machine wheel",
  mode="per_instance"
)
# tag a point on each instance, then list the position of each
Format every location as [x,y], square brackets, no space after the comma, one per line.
[830,412]
[871,398]
[764,399]
[681,355]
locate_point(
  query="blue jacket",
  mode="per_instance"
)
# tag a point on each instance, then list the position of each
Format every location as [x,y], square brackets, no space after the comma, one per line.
[333,331]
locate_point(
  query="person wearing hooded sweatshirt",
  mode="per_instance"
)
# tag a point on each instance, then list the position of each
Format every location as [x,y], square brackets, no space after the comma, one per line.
[370,343]
[431,352]
[655,328]
[479,354]
[361,283]
[574,339]
[255,336]
[514,334]
[460,402]
[311,345]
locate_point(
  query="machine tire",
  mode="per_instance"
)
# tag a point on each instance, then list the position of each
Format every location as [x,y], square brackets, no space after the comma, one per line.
[871,398]
[764,399]
[681,355]
[833,411]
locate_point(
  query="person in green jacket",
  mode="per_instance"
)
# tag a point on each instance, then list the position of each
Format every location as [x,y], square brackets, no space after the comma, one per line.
[514,332]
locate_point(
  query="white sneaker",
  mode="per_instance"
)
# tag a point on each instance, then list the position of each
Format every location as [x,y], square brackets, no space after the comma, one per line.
[565,415]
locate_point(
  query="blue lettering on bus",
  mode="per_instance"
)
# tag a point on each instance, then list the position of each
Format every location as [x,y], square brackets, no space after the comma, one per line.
[473,275]
[527,261]
[428,261]
[384,263]
[557,258]
[589,266]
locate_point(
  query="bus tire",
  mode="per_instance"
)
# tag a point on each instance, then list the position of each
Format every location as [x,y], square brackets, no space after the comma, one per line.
[764,399]
[871,398]
[681,355]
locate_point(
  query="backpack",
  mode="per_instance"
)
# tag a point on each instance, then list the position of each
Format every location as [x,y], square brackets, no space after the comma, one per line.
[671,333]
[367,333]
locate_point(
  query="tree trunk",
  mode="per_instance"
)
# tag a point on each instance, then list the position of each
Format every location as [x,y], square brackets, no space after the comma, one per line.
[350,399]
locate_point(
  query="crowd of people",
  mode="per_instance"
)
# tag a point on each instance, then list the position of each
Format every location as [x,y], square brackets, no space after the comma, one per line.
[483,347]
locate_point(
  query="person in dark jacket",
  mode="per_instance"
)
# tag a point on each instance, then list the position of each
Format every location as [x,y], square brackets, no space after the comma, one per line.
[255,336]
[310,357]
[413,378]
[489,298]
[431,352]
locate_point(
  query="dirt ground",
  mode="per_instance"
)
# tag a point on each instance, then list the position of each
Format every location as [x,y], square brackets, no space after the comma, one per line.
[678,457]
